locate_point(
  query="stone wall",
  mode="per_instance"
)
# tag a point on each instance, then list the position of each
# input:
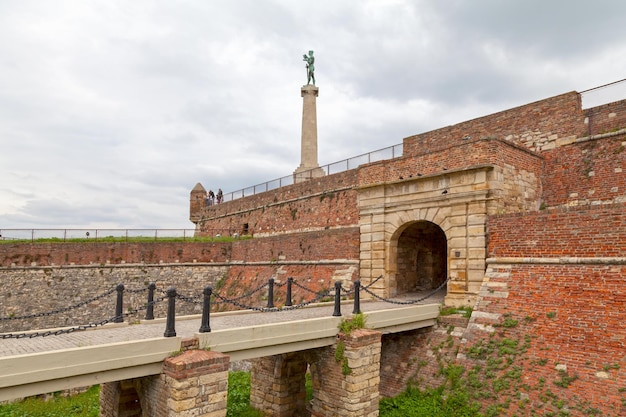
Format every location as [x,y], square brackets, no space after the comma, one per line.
[453,156]
[194,383]
[54,281]
[536,126]
[278,384]
[418,357]
[103,254]
[606,118]
[29,290]
[590,171]
[577,232]
[319,204]
[347,376]
[554,296]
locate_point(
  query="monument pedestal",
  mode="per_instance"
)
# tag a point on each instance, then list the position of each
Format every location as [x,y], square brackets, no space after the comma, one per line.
[309,167]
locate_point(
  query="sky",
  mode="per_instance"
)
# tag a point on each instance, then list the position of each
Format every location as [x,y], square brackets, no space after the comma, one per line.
[111,111]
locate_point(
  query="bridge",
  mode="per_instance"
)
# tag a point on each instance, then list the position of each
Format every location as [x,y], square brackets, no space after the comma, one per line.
[37,362]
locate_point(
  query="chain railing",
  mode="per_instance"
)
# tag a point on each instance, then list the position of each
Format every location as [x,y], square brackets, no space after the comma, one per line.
[171,295]
[390,152]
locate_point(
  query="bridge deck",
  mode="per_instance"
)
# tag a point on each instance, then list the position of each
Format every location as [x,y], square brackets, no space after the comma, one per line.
[30,366]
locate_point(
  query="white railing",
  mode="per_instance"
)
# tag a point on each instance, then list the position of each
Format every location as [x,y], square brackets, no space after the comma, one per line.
[95,234]
[390,152]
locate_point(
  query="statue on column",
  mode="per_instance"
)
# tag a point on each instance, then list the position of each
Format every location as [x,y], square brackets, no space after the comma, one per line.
[310,67]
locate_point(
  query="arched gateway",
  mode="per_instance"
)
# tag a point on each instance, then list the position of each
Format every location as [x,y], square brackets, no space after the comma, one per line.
[421,257]
[415,233]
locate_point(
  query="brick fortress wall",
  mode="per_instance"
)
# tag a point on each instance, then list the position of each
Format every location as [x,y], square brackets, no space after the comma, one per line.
[571,308]
[559,287]
[46,277]
[319,204]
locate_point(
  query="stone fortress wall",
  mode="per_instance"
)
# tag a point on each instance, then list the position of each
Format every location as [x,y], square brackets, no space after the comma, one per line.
[41,277]
[530,202]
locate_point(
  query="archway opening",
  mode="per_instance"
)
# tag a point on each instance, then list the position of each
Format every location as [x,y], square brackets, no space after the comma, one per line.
[422,262]
[129,404]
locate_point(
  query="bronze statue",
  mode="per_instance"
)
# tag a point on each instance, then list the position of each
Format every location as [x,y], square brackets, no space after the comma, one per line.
[310,67]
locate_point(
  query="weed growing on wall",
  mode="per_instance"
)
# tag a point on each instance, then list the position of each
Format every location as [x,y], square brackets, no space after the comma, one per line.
[498,375]
[346,327]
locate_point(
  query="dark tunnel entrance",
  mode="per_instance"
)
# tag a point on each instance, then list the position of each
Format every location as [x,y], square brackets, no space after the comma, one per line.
[422,257]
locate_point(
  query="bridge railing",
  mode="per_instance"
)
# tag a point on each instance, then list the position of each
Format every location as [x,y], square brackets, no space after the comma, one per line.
[170,296]
[390,152]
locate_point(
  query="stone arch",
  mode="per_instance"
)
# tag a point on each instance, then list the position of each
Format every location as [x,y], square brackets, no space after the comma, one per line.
[419,257]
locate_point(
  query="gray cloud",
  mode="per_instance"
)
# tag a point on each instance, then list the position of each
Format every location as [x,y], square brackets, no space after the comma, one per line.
[110,112]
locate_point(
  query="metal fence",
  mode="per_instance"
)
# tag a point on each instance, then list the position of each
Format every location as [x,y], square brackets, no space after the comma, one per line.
[603,94]
[332,168]
[95,234]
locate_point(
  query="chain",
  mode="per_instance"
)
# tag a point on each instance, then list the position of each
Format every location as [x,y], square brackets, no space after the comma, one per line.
[372,283]
[388,300]
[77,328]
[271,309]
[61,310]
[306,289]
[251,293]
[138,290]
[190,300]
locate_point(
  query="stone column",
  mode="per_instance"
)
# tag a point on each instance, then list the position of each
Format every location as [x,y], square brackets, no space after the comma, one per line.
[278,385]
[196,384]
[347,375]
[309,167]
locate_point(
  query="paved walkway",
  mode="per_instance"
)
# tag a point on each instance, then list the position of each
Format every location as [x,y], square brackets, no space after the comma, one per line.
[187,326]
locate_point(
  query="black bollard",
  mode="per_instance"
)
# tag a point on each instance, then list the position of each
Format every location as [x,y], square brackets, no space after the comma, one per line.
[289,283]
[205,326]
[270,294]
[150,308]
[357,297]
[170,329]
[119,318]
[337,312]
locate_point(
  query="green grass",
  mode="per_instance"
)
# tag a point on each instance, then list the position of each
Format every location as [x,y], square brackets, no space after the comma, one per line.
[413,402]
[432,403]
[239,396]
[465,311]
[81,405]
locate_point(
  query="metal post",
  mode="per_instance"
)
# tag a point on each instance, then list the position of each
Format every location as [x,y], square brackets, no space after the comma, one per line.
[289,283]
[205,326]
[170,329]
[270,295]
[119,305]
[357,297]
[337,312]
[150,307]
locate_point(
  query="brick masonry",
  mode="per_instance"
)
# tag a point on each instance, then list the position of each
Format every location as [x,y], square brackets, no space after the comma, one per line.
[48,277]
[533,216]
[193,383]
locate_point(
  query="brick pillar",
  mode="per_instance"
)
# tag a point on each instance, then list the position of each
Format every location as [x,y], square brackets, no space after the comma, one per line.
[196,383]
[277,385]
[349,389]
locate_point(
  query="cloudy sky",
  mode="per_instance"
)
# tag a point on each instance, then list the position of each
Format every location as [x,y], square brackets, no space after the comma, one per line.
[111,111]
